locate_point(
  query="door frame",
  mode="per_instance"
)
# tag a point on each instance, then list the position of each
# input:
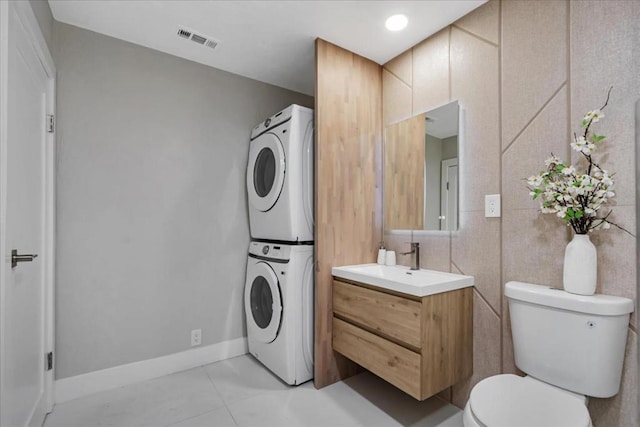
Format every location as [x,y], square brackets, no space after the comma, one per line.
[445,224]
[27,17]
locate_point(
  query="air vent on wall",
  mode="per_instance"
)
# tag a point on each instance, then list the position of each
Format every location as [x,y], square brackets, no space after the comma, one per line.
[197,38]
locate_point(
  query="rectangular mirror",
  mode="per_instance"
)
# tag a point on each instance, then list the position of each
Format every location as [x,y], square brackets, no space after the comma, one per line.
[421,171]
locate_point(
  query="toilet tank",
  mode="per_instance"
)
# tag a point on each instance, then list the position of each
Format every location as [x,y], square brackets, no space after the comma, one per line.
[574,342]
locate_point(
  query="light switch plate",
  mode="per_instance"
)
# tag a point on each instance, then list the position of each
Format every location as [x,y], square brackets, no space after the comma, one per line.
[492,205]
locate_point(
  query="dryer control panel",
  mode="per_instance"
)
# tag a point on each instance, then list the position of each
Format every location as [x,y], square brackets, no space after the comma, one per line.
[273,121]
[278,119]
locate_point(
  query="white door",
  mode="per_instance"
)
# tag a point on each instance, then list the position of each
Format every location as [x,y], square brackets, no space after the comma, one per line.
[265,171]
[449,195]
[26,197]
[262,302]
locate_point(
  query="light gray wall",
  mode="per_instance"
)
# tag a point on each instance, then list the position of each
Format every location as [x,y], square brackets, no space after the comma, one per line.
[450,147]
[45,19]
[152,214]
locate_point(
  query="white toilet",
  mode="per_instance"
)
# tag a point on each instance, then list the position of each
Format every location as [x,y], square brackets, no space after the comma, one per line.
[571,346]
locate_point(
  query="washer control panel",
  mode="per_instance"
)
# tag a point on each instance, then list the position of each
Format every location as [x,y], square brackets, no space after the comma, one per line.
[270,250]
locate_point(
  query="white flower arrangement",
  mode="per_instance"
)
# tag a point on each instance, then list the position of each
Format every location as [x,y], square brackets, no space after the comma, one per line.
[577,197]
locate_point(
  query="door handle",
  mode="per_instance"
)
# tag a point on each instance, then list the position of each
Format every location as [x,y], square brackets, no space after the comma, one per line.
[15,258]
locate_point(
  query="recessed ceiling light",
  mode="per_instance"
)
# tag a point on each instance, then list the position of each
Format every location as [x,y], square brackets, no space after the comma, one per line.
[396,22]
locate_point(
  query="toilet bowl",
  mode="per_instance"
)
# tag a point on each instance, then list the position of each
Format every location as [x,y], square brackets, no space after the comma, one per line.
[509,400]
[571,346]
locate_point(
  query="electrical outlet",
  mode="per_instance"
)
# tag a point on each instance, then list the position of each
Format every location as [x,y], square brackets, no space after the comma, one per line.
[492,205]
[196,337]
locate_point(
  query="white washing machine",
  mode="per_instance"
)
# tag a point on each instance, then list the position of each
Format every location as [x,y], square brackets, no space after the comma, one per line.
[280,177]
[278,302]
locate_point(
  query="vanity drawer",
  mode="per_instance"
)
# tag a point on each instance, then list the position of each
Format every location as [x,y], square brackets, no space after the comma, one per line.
[392,316]
[391,362]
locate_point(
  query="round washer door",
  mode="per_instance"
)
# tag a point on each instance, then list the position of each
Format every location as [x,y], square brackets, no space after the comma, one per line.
[263,302]
[265,172]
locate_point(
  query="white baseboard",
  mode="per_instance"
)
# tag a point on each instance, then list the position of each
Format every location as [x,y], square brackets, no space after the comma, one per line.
[82,385]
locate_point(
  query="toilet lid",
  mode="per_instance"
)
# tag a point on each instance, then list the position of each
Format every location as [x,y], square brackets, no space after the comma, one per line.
[509,400]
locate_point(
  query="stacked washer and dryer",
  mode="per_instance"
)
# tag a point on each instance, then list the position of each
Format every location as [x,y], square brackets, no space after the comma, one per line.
[279,290]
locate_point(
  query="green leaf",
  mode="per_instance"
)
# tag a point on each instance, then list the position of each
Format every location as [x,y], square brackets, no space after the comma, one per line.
[536,193]
[585,122]
[579,214]
[570,214]
[597,138]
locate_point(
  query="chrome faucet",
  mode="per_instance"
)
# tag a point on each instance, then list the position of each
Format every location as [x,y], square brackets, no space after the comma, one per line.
[415,250]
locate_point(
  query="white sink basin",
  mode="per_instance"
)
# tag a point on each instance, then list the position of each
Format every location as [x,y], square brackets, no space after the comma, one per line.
[398,278]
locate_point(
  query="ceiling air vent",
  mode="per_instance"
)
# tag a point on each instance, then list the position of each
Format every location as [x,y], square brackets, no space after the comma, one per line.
[197,38]
[184,33]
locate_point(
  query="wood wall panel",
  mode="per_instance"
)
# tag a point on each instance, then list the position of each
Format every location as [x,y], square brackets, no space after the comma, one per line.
[404,153]
[348,195]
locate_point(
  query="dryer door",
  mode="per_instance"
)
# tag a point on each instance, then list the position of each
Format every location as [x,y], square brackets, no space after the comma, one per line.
[265,172]
[262,302]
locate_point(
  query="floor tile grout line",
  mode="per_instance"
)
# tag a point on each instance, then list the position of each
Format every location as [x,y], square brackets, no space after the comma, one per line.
[242,413]
[231,414]
[199,415]
[240,399]
[226,404]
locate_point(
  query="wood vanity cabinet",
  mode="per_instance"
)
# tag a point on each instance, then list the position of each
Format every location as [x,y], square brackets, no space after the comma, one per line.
[421,345]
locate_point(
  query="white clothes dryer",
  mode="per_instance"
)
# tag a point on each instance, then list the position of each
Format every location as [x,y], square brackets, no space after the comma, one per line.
[278,302]
[280,177]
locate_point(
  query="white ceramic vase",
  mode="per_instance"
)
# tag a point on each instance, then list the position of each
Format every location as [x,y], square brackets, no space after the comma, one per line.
[580,266]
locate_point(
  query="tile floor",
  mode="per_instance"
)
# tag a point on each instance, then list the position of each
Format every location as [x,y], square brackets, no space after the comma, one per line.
[241,392]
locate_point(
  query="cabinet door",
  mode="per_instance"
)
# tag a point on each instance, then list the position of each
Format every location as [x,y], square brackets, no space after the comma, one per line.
[392,316]
[391,362]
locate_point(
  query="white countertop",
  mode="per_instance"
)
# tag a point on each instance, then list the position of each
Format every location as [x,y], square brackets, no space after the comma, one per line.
[398,278]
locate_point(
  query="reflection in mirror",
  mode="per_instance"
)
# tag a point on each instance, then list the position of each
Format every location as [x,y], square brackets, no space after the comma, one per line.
[421,171]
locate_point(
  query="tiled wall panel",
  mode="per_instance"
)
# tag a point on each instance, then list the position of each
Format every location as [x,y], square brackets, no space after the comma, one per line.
[402,67]
[475,84]
[603,35]
[486,354]
[431,72]
[525,72]
[484,22]
[462,63]
[475,251]
[534,60]
[396,99]
[546,134]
